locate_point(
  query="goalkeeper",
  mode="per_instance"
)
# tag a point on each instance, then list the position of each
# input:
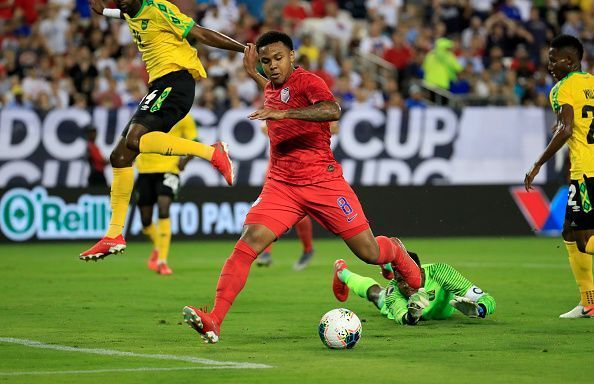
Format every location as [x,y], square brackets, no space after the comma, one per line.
[443,290]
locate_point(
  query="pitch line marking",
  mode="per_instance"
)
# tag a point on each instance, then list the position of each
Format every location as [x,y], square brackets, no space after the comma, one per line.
[140,369]
[111,352]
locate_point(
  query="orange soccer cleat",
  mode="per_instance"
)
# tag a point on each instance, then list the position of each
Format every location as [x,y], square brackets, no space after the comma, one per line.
[163,269]
[153,260]
[203,323]
[221,161]
[103,248]
[340,289]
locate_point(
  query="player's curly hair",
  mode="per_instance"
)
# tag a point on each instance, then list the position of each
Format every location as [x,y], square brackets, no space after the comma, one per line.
[568,42]
[415,257]
[272,37]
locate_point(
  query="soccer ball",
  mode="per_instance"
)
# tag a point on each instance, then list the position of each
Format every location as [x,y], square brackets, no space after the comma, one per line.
[340,328]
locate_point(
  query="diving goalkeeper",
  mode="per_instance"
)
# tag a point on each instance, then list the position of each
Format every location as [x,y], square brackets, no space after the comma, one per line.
[443,290]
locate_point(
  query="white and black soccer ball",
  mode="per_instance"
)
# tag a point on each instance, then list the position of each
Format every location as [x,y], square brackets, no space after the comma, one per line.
[340,328]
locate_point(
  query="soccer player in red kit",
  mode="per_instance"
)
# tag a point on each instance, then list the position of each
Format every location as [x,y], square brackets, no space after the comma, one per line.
[304,179]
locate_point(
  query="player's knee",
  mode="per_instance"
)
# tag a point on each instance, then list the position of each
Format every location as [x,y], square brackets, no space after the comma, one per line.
[581,244]
[118,159]
[146,220]
[257,237]
[133,142]
[163,212]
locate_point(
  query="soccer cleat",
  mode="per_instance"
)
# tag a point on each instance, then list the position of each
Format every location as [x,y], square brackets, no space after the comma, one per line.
[203,323]
[163,269]
[103,248]
[466,306]
[387,272]
[579,312]
[264,259]
[153,260]
[340,289]
[221,161]
[405,265]
[303,261]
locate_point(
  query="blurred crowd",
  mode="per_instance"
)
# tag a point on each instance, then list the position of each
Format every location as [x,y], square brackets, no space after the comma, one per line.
[379,53]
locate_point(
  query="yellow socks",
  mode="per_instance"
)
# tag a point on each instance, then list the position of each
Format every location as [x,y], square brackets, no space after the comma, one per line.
[151,233]
[168,145]
[164,238]
[581,266]
[121,189]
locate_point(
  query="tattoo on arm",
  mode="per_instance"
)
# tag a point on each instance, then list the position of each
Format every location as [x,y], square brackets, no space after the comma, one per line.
[322,111]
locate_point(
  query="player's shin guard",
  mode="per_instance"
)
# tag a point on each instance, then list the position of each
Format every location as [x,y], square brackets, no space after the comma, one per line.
[164,235]
[392,251]
[305,232]
[233,277]
[168,145]
[581,266]
[121,190]
[150,232]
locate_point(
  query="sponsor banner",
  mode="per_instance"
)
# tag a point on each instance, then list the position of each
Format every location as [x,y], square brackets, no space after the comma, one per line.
[218,213]
[432,146]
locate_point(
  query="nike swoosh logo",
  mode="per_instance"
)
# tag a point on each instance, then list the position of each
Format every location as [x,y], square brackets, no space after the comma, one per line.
[349,219]
[588,313]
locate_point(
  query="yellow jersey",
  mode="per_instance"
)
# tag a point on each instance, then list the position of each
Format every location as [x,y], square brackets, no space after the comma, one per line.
[159,30]
[577,90]
[156,163]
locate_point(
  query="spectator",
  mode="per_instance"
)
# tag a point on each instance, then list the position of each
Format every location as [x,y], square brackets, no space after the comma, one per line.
[399,54]
[307,48]
[95,159]
[415,98]
[386,10]
[440,65]
[375,42]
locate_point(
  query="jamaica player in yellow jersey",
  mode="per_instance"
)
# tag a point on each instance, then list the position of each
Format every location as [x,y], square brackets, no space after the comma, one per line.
[158,183]
[159,30]
[572,99]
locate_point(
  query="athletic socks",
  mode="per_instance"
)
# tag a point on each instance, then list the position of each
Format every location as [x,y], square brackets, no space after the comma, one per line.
[233,278]
[304,230]
[392,251]
[151,232]
[168,145]
[581,266]
[357,283]
[121,190]
[164,238]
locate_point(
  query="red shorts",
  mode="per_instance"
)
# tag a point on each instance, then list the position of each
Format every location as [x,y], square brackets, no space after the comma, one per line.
[331,203]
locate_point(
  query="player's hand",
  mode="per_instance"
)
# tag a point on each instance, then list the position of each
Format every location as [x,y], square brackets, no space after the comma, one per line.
[530,175]
[417,303]
[250,58]
[267,114]
[97,6]
[466,306]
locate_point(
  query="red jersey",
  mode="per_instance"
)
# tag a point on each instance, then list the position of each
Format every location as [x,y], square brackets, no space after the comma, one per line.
[300,150]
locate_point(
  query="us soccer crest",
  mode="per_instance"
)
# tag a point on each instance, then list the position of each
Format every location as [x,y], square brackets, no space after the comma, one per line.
[285,95]
[144,24]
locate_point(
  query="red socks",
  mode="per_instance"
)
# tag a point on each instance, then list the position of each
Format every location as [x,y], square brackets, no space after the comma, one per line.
[305,232]
[233,277]
[392,251]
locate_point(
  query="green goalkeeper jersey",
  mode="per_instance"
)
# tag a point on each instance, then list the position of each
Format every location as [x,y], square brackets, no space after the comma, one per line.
[445,282]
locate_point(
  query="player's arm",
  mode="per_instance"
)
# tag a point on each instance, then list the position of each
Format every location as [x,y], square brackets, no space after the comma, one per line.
[250,59]
[562,134]
[321,111]
[215,39]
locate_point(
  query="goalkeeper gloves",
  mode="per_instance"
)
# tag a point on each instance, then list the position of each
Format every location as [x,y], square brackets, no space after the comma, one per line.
[416,304]
[466,306]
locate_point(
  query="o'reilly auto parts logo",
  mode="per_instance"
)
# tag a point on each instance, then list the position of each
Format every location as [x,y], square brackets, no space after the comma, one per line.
[25,214]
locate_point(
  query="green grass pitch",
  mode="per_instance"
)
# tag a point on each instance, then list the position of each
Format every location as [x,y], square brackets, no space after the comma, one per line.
[47,295]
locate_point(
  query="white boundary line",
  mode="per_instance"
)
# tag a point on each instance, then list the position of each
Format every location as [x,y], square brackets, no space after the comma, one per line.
[140,369]
[110,352]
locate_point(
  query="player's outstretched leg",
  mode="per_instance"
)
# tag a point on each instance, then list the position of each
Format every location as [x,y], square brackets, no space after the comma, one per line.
[169,145]
[304,230]
[382,250]
[121,160]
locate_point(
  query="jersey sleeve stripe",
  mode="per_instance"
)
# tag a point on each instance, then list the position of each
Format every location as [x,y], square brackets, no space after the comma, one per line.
[188,29]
